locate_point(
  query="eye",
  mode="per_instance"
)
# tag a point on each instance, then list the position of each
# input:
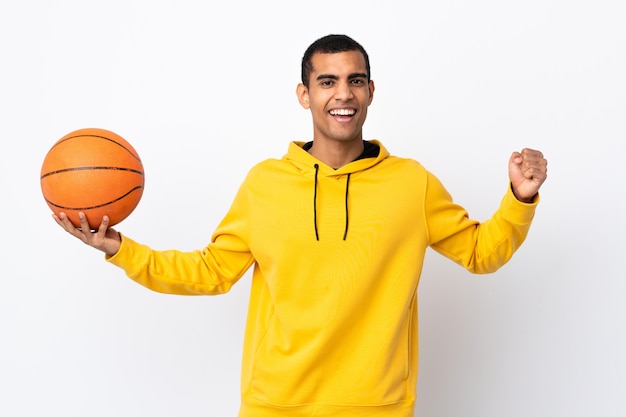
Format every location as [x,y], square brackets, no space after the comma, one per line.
[357,81]
[327,83]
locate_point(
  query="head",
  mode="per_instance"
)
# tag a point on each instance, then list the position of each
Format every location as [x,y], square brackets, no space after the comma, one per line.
[331,44]
[336,88]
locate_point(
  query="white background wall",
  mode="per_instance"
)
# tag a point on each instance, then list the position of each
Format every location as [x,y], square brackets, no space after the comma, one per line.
[205,91]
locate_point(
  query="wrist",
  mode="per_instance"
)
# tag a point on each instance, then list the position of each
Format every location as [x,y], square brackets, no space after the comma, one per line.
[522,199]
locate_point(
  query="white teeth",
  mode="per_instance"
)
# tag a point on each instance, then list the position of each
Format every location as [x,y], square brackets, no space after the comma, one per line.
[342,112]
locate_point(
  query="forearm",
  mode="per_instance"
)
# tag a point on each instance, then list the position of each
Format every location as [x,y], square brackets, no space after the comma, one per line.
[485,247]
[177,272]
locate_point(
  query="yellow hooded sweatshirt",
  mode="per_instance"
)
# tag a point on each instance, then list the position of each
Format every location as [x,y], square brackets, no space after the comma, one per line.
[337,255]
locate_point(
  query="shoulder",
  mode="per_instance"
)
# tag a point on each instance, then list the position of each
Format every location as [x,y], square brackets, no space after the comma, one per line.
[267,169]
[406,165]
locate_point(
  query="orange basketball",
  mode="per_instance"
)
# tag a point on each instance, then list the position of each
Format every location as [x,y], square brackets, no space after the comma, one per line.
[94,171]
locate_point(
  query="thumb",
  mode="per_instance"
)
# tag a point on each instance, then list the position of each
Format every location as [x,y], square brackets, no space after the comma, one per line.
[516,158]
[515,165]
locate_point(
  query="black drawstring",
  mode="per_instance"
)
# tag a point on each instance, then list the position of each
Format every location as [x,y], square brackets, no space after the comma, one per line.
[317,237]
[345,233]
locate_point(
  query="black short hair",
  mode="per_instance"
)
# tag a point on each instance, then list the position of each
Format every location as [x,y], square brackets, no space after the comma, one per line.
[331,44]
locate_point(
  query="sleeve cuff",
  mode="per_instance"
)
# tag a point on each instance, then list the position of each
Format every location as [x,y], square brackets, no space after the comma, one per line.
[129,255]
[517,211]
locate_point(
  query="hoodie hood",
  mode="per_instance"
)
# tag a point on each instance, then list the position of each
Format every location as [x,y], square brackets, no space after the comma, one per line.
[308,165]
[306,162]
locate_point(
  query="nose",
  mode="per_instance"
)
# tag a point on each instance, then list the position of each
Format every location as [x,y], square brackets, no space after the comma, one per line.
[343,91]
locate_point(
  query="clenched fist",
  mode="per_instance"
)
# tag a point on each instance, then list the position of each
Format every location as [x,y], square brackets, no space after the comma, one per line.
[528,169]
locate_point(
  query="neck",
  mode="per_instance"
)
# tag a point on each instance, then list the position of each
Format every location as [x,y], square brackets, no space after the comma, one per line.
[336,154]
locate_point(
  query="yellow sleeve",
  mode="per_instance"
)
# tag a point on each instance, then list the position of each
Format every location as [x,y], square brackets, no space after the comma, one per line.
[212,270]
[480,248]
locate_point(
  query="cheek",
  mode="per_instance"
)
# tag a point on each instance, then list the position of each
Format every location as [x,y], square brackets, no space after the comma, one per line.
[318,108]
[363,114]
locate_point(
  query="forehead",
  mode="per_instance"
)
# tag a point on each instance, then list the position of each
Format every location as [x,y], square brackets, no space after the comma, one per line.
[338,64]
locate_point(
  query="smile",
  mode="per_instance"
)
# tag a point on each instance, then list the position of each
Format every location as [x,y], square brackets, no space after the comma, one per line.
[342,112]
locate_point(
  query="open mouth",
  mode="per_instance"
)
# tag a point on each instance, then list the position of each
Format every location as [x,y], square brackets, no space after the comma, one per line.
[342,112]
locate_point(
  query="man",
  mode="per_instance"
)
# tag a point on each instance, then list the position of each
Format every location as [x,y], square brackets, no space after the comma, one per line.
[336,232]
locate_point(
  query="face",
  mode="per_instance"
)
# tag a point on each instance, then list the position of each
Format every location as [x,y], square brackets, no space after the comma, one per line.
[338,96]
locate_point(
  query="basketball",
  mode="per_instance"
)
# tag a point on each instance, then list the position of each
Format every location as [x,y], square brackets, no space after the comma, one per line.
[94,171]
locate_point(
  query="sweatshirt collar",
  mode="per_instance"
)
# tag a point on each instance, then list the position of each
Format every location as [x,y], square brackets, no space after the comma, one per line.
[373,153]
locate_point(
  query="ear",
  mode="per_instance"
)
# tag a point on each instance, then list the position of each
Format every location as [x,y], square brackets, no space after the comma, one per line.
[371,88]
[303,95]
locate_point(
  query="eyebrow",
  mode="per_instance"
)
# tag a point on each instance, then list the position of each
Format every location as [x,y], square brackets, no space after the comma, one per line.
[334,77]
